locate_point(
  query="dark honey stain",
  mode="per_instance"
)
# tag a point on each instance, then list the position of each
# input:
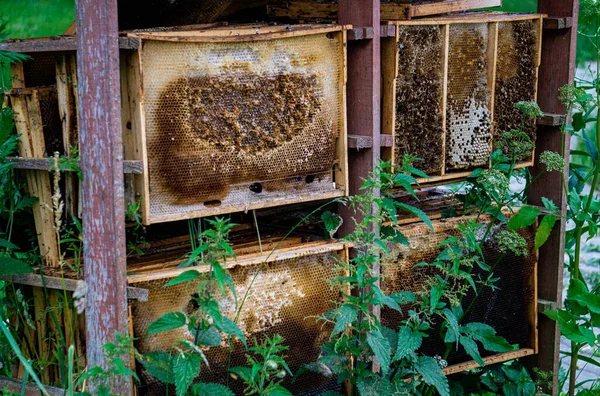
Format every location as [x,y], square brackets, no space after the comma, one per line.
[51,122]
[419,90]
[238,127]
[516,77]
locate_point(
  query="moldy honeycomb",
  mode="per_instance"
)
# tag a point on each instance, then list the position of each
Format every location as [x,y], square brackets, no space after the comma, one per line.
[286,298]
[419,126]
[505,309]
[238,123]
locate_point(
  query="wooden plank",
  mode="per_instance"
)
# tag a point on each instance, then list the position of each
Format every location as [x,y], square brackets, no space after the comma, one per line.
[56,44]
[557,69]
[389,74]
[494,359]
[558,23]
[549,119]
[28,122]
[341,168]
[359,142]
[14,386]
[129,166]
[420,10]
[492,62]
[102,193]
[471,17]
[41,324]
[444,105]
[55,283]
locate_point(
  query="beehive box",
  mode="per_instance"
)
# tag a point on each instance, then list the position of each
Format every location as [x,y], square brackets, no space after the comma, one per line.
[450,85]
[288,291]
[222,119]
[511,309]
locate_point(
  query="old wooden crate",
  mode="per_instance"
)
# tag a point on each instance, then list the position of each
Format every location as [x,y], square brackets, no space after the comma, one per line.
[289,291]
[219,118]
[450,85]
[511,309]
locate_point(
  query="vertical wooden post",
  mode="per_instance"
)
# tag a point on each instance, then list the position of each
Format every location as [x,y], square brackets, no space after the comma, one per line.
[557,69]
[102,166]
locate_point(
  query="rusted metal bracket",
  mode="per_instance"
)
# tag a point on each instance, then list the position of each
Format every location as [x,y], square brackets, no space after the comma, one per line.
[129,166]
[54,283]
[553,23]
[359,142]
[550,119]
[366,33]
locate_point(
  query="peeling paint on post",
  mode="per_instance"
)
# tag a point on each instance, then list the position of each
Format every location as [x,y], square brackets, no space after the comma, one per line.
[102,165]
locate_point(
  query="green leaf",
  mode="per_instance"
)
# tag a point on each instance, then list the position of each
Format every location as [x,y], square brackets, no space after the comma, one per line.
[381,348]
[231,328]
[186,276]
[392,234]
[549,204]
[10,266]
[8,244]
[219,275]
[432,374]
[544,230]
[405,181]
[524,218]
[158,365]
[578,121]
[211,390]
[227,248]
[185,369]
[382,245]
[279,391]
[408,342]
[417,212]
[169,321]
[435,296]
[391,336]
[332,222]
[486,334]
[472,349]
[210,337]
[344,318]
[578,292]
[197,252]
[374,386]
[245,373]
[453,333]
[574,201]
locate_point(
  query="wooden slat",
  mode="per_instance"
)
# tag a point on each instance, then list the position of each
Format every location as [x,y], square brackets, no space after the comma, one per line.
[558,23]
[129,166]
[557,69]
[421,10]
[495,359]
[359,142]
[56,44]
[55,283]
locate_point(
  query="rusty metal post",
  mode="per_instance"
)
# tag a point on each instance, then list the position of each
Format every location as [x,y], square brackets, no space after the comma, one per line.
[102,166]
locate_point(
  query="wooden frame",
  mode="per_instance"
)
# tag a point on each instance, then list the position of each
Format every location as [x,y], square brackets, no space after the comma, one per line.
[389,11]
[390,57]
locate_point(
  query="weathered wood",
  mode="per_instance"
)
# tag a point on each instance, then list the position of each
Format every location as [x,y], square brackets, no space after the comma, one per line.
[55,283]
[359,142]
[360,34]
[133,167]
[56,44]
[549,119]
[494,359]
[558,23]
[557,69]
[14,386]
[420,10]
[101,149]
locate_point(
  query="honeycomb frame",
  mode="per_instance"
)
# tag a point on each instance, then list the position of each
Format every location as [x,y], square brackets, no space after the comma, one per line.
[461,104]
[398,274]
[287,148]
[289,291]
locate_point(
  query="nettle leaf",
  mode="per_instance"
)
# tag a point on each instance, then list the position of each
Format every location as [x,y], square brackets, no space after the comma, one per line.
[344,317]
[197,252]
[186,276]
[472,349]
[524,218]
[487,336]
[391,336]
[549,204]
[392,234]
[185,369]
[374,386]
[210,337]
[544,230]
[417,212]
[245,373]
[332,222]
[158,365]
[409,341]
[453,333]
[578,292]
[211,390]
[574,201]
[432,374]
[220,275]
[228,326]
[10,266]
[169,321]
[279,391]
[406,181]
[435,296]
[8,244]
[381,348]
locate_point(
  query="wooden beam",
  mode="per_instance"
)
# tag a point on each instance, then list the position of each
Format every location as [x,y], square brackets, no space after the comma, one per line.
[421,10]
[558,23]
[133,167]
[55,283]
[550,119]
[101,150]
[361,142]
[15,386]
[557,69]
[57,44]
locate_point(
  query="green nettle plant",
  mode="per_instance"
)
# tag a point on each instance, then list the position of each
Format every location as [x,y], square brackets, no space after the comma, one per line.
[358,335]
[266,368]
